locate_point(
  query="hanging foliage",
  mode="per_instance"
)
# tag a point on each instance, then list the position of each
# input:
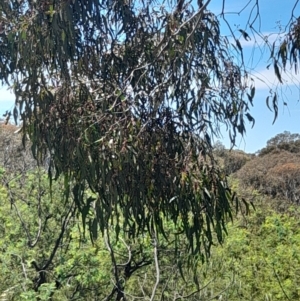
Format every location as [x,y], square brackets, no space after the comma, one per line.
[126,97]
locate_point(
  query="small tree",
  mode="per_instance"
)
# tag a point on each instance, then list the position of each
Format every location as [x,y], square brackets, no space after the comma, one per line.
[286,181]
[234,160]
[126,97]
[283,141]
[120,95]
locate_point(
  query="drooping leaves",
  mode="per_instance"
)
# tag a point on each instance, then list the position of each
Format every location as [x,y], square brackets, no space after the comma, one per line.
[245,34]
[289,49]
[277,71]
[125,99]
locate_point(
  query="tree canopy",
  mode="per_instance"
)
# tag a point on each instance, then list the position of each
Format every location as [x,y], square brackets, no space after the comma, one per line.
[124,98]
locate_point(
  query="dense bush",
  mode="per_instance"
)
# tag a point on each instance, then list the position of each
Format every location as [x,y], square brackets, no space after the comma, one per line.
[259,259]
[283,141]
[234,161]
[14,157]
[44,254]
[275,174]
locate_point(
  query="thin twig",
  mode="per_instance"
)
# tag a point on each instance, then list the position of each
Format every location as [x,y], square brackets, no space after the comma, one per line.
[156,266]
[277,277]
[57,243]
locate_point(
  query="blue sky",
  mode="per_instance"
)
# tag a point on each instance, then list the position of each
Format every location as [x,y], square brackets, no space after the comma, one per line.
[274,13]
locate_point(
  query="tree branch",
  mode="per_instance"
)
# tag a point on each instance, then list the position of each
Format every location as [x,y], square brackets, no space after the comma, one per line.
[156,266]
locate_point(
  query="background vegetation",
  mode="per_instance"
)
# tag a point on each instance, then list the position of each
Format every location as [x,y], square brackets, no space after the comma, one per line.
[47,255]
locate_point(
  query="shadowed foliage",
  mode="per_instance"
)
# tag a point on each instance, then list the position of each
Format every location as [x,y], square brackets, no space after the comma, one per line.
[126,98]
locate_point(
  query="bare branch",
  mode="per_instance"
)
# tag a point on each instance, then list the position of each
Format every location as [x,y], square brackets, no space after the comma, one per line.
[155,255]
[65,223]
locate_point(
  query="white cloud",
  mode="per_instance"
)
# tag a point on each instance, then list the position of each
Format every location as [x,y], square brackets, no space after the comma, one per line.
[7,100]
[257,53]
[267,79]
[6,95]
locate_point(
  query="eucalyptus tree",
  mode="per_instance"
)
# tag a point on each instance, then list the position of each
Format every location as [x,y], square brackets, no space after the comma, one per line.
[126,98]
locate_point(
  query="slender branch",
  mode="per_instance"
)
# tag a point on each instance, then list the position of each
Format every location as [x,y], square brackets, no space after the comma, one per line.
[156,266]
[292,15]
[142,285]
[5,293]
[280,284]
[30,243]
[197,15]
[194,292]
[63,229]
[167,283]
[40,223]
[22,263]
[117,289]
[200,15]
